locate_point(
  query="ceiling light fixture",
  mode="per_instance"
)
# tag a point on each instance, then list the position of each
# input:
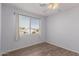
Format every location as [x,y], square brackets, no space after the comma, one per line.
[53,5]
[50,5]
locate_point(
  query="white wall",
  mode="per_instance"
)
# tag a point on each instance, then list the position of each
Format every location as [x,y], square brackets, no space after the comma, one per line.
[63,29]
[0,26]
[9,41]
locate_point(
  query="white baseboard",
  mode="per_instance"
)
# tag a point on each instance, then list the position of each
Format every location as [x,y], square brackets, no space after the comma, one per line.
[63,47]
[18,48]
[38,43]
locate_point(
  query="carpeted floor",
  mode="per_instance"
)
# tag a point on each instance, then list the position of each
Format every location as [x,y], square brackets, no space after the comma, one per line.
[43,49]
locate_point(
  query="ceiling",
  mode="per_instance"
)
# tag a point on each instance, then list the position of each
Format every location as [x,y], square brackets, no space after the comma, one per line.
[36,9]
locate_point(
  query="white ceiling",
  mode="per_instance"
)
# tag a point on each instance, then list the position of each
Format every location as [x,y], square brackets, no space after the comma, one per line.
[36,9]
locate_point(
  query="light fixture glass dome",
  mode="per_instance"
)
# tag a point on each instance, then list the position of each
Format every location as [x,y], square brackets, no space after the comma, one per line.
[53,5]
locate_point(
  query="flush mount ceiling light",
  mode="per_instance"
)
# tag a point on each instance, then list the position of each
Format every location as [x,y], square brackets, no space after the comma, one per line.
[50,5]
[53,6]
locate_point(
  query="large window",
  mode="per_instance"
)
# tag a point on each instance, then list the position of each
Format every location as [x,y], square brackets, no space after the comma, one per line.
[24,27]
[35,26]
[28,25]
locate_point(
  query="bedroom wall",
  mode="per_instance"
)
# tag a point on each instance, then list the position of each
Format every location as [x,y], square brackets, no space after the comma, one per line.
[0,27]
[63,29]
[9,41]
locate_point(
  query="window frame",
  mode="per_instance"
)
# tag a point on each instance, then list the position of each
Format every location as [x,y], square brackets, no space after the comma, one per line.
[38,25]
[30,19]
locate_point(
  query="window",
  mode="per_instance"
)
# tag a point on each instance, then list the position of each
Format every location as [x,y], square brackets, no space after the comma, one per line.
[28,25]
[35,26]
[24,28]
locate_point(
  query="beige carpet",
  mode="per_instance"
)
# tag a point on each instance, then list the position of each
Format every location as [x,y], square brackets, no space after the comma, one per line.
[43,49]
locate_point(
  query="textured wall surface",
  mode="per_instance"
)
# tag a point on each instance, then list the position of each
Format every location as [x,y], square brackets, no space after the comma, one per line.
[9,41]
[0,26]
[63,29]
